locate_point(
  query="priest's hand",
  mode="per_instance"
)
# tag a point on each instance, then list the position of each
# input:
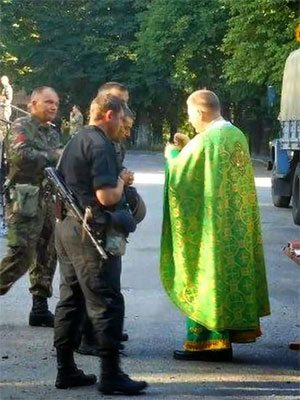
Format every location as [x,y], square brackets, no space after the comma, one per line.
[181,140]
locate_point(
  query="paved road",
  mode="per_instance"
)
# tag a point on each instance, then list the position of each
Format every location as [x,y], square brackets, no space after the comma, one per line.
[265,370]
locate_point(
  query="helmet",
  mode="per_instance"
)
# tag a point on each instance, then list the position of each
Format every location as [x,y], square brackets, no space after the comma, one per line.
[140,210]
[136,204]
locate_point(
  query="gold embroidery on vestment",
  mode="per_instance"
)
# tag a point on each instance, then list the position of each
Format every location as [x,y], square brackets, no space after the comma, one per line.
[216,344]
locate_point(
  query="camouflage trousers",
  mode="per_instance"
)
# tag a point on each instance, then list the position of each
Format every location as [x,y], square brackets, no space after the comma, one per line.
[30,248]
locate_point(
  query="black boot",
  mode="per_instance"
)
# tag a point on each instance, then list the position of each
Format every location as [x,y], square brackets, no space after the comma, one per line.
[208,355]
[68,375]
[39,314]
[113,379]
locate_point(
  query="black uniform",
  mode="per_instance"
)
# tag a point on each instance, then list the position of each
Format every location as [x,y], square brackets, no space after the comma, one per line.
[88,163]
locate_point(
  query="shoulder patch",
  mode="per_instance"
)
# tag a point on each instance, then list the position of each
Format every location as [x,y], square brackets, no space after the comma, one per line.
[20,138]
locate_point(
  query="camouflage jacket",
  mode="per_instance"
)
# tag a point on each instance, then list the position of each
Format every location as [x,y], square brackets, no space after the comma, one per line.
[31,147]
[76,122]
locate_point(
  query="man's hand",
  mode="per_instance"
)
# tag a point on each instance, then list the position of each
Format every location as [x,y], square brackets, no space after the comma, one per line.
[53,155]
[127,176]
[180,140]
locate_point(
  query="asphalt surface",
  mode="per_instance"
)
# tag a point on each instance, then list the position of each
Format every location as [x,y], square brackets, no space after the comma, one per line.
[264,370]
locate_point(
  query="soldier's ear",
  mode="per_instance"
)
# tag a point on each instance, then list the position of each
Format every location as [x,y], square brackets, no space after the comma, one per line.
[109,115]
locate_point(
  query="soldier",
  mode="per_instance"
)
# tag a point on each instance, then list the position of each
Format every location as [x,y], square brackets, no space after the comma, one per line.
[33,145]
[88,344]
[121,91]
[89,167]
[76,120]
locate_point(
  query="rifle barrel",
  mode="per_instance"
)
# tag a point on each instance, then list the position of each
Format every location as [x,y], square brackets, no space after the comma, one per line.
[67,197]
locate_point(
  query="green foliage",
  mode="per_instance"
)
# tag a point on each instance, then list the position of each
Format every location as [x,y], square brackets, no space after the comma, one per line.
[259,39]
[179,39]
[178,50]
[73,45]
[161,49]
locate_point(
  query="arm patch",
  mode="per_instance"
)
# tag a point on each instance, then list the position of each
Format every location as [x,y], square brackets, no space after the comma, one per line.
[20,138]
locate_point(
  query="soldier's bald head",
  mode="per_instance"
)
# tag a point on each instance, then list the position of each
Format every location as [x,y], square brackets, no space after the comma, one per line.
[37,92]
[206,101]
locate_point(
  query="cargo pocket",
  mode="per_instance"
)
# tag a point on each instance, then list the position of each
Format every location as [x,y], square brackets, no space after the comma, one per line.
[25,199]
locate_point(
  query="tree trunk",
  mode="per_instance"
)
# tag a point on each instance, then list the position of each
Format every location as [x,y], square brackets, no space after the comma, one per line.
[143,132]
[157,127]
[173,120]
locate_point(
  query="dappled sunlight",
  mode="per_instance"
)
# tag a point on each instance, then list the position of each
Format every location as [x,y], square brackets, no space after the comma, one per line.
[263,182]
[142,178]
[214,378]
[189,377]
[26,384]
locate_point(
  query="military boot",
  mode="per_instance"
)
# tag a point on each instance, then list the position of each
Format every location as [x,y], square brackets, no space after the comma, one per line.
[68,375]
[113,380]
[40,314]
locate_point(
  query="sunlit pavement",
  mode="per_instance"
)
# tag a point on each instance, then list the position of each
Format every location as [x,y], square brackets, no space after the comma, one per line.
[265,370]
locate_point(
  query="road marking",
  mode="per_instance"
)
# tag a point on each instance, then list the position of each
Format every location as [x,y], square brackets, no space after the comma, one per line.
[253,379]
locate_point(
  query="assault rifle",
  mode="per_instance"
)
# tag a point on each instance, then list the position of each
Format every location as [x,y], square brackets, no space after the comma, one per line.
[66,196]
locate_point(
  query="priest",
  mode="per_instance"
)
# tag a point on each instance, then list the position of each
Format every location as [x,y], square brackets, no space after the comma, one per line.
[212,260]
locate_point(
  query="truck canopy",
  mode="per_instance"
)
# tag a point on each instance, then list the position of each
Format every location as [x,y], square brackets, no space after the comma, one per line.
[290,94]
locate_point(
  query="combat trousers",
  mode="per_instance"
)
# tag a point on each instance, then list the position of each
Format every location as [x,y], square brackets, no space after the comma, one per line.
[89,283]
[30,248]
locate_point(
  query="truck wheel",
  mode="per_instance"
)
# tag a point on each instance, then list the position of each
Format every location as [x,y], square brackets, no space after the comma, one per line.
[296,196]
[279,201]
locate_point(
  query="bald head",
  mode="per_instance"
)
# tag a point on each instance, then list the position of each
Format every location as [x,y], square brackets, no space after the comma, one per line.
[205,100]
[203,108]
[39,91]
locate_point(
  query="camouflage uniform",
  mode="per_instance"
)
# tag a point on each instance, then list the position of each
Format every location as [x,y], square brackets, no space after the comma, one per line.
[76,122]
[32,147]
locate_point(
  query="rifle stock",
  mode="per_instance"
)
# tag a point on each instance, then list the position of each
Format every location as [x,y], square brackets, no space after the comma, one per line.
[67,197]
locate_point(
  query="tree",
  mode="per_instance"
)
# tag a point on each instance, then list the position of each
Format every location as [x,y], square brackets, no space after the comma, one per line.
[259,38]
[73,45]
[178,50]
[161,49]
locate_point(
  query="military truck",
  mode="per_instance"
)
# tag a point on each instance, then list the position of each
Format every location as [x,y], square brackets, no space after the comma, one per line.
[285,151]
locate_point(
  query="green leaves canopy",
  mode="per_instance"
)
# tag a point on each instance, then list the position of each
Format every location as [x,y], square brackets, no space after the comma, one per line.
[259,38]
[162,49]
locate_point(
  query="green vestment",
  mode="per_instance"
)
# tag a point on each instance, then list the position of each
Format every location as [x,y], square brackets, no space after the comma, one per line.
[212,261]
